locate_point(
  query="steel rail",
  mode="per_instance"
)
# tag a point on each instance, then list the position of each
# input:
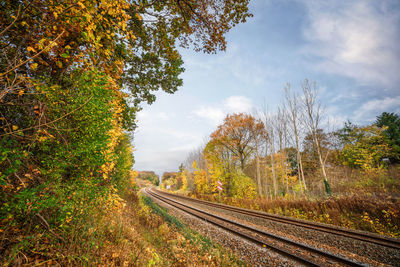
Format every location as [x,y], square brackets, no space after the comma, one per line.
[195,212]
[383,241]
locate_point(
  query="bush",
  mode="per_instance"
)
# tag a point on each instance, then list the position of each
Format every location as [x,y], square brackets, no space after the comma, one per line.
[57,186]
[242,186]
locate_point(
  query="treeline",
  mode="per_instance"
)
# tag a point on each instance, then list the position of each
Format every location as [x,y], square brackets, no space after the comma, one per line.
[72,77]
[149,176]
[175,180]
[291,153]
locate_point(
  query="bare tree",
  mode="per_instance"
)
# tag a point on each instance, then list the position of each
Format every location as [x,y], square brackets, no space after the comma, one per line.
[294,115]
[281,127]
[196,155]
[313,111]
[285,138]
[258,132]
[270,140]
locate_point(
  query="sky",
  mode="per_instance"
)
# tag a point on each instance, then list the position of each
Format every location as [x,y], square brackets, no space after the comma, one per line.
[350,48]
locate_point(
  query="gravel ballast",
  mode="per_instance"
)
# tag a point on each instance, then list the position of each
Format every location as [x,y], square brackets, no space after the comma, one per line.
[356,250]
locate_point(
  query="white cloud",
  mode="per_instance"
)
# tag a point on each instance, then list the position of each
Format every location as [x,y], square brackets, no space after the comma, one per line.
[216,113]
[334,121]
[184,148]
[213,114]
[240,65]
[160,160]
[162,116]
[237,104]
[375,107]
[162,138]
[355,38]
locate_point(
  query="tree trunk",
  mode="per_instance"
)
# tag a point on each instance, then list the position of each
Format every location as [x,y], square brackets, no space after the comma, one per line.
[273,171]
[292,103]
[258,175]
[322,163]
[312,108]
[299,163]
[284,174]
[266,188]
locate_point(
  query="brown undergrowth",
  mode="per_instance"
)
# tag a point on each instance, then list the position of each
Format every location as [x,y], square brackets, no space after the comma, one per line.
[139,233]
[377,214]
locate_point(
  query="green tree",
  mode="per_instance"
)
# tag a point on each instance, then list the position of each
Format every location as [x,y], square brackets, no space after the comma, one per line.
[366,148]
[346,134]
[391,122]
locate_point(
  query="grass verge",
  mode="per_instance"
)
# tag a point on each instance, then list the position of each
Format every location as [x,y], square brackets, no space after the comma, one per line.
[177,244]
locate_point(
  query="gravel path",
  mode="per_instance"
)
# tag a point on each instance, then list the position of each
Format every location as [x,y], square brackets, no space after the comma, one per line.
[362,252]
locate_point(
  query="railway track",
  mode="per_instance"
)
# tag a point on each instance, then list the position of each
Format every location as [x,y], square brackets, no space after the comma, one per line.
[298,252]
[366,237]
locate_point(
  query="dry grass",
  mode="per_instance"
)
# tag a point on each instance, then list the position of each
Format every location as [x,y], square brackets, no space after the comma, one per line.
[377,214]
[345,180]
[364,201]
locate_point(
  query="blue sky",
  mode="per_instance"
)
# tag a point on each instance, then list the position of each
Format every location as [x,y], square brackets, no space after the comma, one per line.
[351,48]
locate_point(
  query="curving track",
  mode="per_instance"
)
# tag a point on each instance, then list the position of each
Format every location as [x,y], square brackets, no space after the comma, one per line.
[363,236]
[298,252]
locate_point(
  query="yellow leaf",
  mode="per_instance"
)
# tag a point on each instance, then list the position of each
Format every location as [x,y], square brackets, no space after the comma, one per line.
[55,14]
[41,42]
[59,64]
[34,66]
[81,5]
[42,138]
[15,127]
[20,92]
[30,49]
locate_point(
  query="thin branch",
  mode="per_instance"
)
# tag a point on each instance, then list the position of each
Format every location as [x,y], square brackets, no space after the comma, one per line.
[47,123]
[16,175]
[12,23]
[26,258]
[65,141]
[34,56]
[48,226]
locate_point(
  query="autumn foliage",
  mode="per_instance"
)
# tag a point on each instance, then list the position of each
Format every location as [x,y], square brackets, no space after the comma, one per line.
[360,163]
[258,156]
[72,77]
